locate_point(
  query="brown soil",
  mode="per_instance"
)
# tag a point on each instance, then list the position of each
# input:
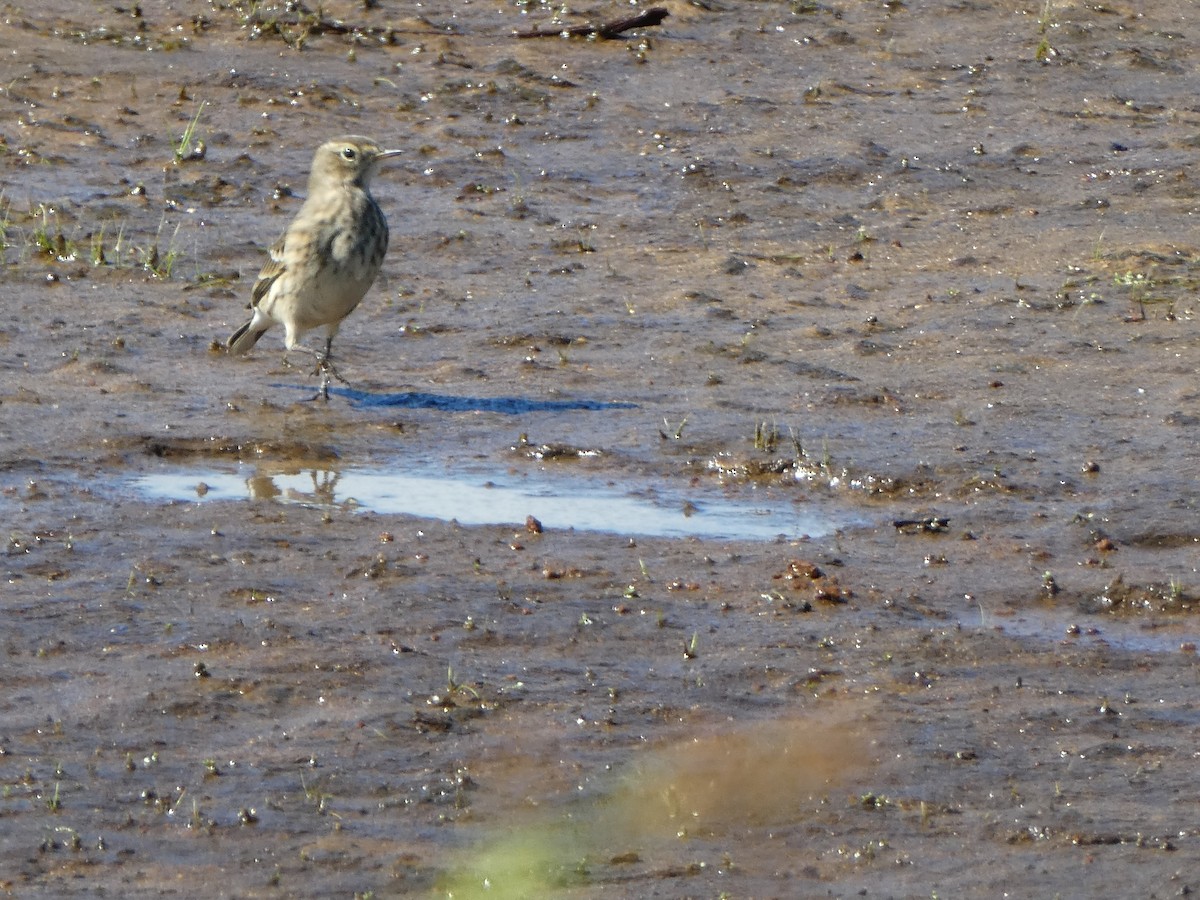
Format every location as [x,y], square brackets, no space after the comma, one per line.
[889,261]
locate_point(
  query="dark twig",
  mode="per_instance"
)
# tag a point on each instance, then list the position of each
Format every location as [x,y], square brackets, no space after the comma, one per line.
[606,31]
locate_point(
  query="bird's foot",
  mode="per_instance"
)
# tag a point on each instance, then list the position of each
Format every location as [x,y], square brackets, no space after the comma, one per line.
[327,370]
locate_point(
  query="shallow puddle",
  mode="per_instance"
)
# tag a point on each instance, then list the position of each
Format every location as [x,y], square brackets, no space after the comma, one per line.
[557,503]
[1096,630]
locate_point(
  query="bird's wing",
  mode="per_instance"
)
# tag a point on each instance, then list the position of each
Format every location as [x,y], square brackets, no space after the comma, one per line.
[270,272]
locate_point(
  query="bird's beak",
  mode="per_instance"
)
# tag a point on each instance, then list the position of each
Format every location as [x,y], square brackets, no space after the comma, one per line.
[384,154]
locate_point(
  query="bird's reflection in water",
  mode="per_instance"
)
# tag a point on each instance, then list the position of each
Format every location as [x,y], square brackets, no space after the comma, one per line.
[262,486]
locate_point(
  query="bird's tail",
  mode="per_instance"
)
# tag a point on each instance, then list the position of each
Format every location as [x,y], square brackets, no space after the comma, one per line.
[245,337]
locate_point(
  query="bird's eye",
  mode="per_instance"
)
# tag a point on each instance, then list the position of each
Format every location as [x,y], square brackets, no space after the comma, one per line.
[349,153]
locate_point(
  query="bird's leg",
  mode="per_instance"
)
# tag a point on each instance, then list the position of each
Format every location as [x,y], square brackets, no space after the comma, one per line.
[323,369]
[326,367]
[324,393]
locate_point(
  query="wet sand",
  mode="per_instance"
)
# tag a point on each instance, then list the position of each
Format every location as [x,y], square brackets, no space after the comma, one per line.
[926,263]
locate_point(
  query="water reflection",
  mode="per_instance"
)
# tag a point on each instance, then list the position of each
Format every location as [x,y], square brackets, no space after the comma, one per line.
[1099,630]
[557,503]
[321,487]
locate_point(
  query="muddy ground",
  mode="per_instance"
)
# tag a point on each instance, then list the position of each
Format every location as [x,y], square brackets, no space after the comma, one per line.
[929,261]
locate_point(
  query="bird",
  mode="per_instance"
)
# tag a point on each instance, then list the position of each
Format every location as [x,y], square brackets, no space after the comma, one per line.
[327,258]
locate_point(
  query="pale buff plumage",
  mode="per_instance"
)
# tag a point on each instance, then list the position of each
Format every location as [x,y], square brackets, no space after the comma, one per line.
[329,256]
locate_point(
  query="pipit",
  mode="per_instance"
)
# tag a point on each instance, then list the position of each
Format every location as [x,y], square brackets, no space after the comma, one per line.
[329,256]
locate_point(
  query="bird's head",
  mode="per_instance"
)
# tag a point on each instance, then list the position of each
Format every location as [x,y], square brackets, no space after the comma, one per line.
[350,160]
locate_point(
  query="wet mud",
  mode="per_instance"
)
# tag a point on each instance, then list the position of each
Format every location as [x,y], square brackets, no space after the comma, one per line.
[922,271]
